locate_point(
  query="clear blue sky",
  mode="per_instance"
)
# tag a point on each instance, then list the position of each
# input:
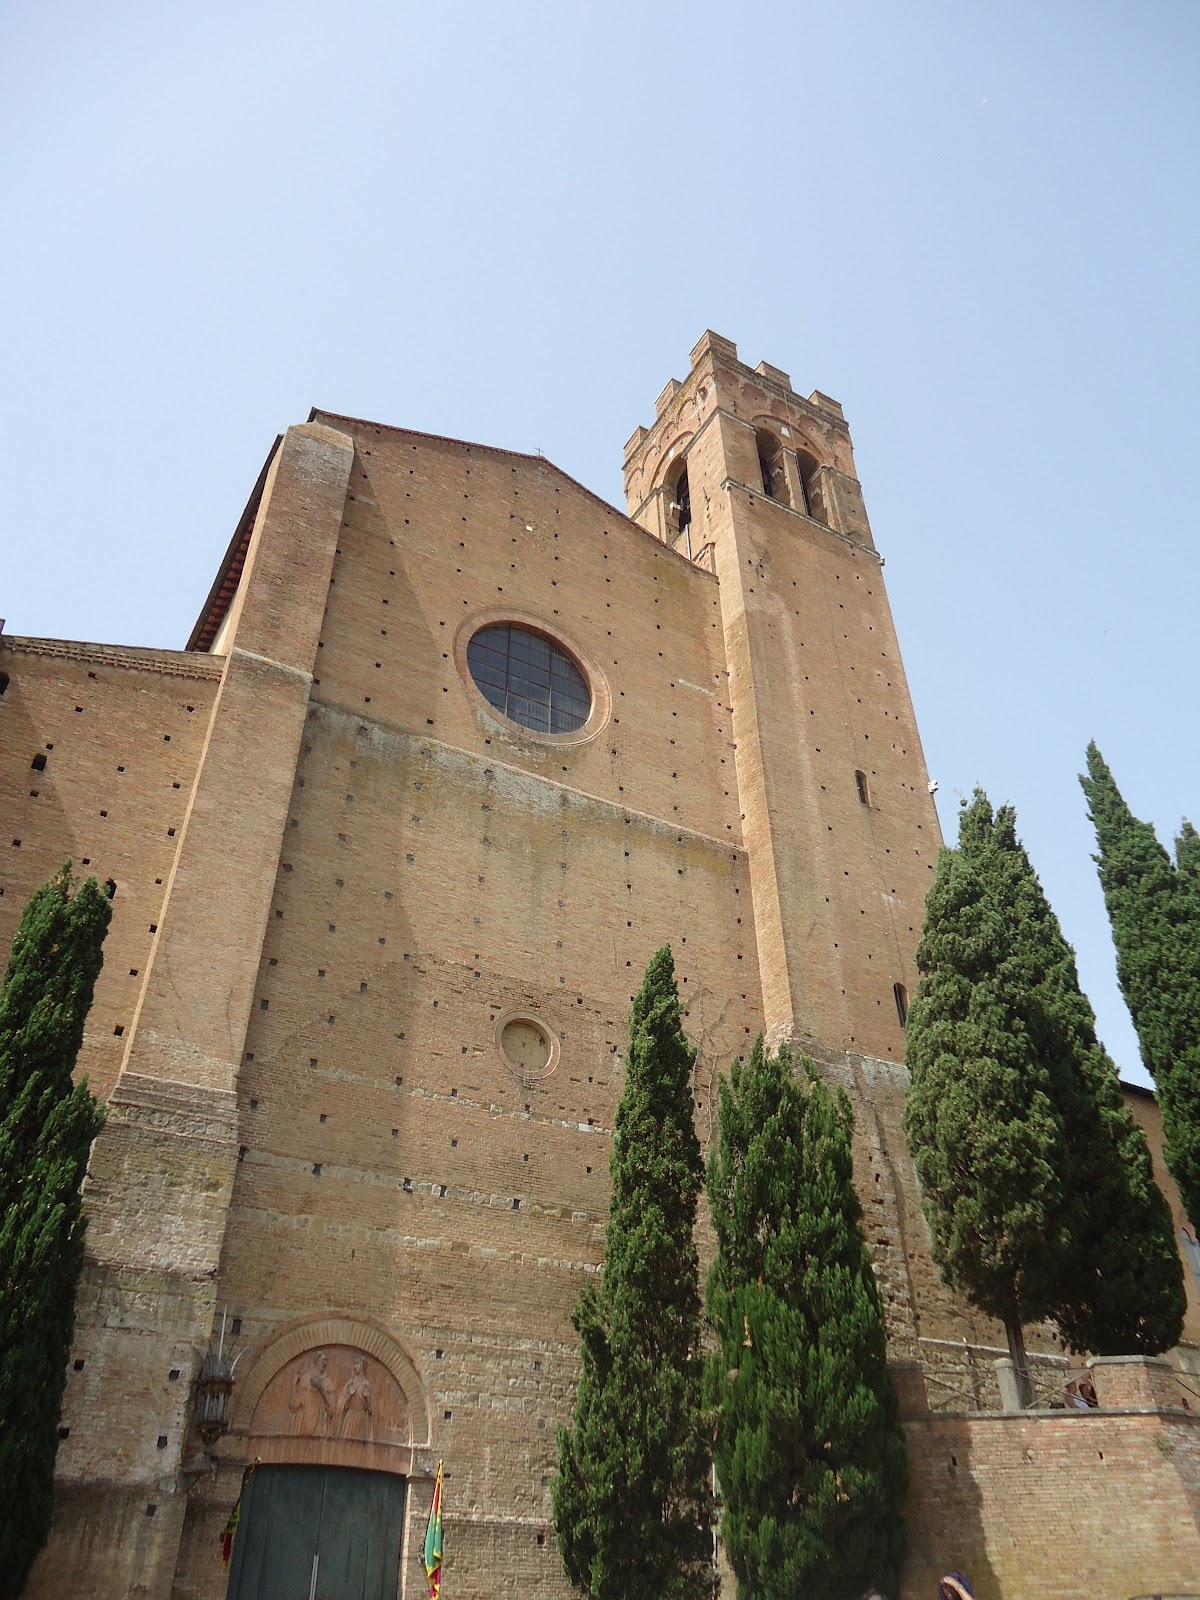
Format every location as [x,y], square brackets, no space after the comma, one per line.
[976,225]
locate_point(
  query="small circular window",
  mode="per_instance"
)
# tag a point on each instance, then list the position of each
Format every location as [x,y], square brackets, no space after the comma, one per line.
[528,678]
[526,1045]
[528,1050]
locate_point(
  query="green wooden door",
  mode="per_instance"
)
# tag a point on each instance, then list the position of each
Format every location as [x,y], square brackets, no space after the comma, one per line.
[318,1533]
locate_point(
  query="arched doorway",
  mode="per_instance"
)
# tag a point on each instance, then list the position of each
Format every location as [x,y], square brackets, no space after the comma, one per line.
[336,1422]
[318,1533]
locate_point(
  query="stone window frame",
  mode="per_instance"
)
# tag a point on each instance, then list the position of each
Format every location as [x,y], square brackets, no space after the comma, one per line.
[528,678]
[586,662]
[524,1014]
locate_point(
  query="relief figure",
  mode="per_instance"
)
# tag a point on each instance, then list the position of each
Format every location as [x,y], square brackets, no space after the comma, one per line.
[313,1399]
[358,1404]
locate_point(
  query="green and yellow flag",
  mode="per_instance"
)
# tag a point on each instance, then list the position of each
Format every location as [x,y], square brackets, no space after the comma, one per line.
[432,1555]
[235,1516]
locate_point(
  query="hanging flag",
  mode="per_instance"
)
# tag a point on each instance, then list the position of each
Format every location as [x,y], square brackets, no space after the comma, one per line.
[432,1554]
[235,1516]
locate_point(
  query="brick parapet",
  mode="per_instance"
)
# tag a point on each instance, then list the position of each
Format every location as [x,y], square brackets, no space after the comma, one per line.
[174,663]
[1067,1505]
[711,355]
[1141,1382]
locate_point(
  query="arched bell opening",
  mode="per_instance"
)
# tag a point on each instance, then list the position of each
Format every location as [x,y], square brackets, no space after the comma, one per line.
[679,511]
[807,468]
[770,466]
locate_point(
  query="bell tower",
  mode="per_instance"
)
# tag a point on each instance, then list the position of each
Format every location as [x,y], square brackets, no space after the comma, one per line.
[747,478]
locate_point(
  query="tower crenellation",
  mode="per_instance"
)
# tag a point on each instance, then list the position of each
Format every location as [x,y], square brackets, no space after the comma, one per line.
[800,447]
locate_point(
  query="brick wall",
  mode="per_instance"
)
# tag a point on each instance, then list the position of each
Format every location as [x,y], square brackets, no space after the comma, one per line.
[1056,1505]
[121,732]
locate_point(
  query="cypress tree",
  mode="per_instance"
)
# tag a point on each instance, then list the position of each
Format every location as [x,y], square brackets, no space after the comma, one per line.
[1187,854]
[1011,1083]
[810,1457]
[985,1135]
[1121,1288]
[47,1124]
[631,1498]
[1154,910]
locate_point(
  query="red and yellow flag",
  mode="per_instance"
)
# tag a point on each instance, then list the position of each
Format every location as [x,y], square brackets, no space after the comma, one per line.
[432,1555]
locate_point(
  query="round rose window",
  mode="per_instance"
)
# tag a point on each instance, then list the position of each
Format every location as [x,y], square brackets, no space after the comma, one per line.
[528,678]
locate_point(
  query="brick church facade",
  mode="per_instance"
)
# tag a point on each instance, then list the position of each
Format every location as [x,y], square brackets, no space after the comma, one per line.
[453,748]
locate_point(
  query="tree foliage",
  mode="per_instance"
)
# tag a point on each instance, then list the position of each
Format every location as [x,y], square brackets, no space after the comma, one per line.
[1154,910]
[811,1460]
[1037,1180]
[1187,854]
[632,1504]
[47,1125]
[980,1119]
[1121,1288]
